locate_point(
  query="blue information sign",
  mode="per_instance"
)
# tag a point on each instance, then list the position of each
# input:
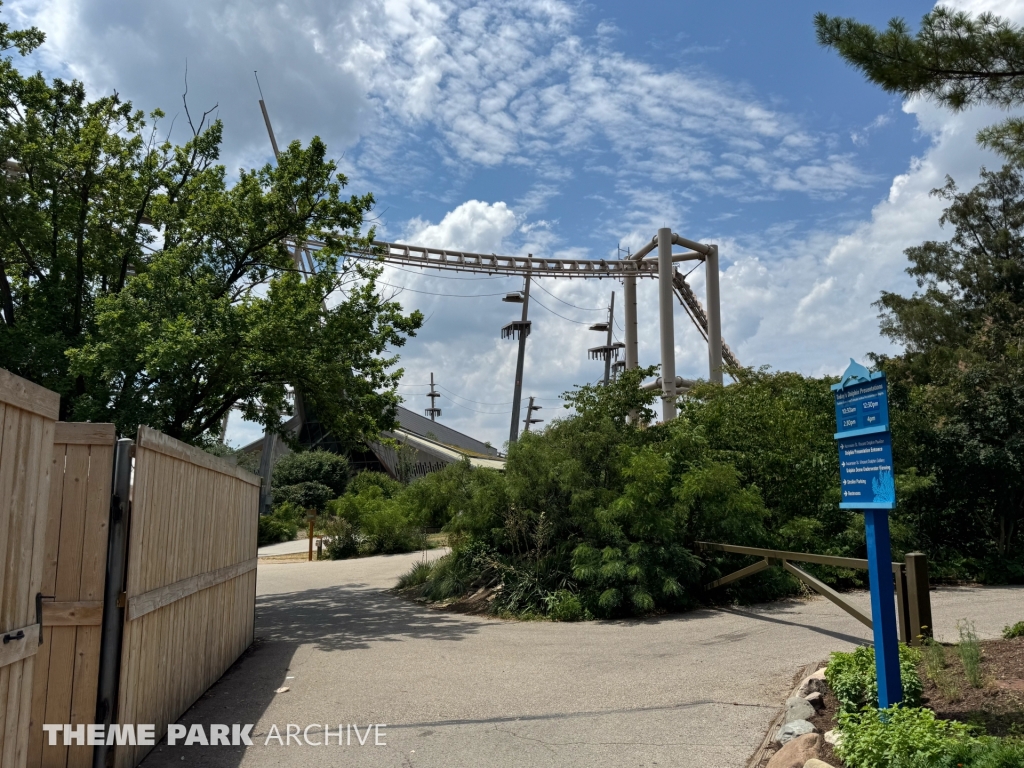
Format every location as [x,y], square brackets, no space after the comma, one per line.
[865,472]
[862,409]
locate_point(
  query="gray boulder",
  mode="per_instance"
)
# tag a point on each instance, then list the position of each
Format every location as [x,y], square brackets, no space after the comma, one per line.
[798,709]
[792,730]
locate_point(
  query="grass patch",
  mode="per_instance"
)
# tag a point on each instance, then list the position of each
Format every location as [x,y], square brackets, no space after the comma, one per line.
[936,668]
[1013,630]
[416,576]
[969,651]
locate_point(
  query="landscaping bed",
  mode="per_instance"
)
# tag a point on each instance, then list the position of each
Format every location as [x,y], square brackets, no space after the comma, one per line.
[964,706]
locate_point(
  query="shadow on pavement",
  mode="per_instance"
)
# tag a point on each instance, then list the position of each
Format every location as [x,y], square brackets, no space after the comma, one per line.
[802,624]
[241,696]
[351,616]
[337,618]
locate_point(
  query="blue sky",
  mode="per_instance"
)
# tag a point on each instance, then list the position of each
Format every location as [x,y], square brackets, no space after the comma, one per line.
[552,127]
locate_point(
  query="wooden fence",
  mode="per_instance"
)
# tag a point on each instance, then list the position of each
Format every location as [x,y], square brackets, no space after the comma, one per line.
[27,416]
[191,580]
[74,567]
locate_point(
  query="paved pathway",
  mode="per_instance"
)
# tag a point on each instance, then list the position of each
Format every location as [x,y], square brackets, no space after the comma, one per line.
[455,691]
[286,548]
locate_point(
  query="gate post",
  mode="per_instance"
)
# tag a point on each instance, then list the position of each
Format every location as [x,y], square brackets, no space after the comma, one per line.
[919,600]
[113,615]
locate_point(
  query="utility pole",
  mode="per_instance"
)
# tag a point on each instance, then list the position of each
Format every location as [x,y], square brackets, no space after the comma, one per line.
[529,415]
[609,350]
[518,330]
[433,411]
[611,324]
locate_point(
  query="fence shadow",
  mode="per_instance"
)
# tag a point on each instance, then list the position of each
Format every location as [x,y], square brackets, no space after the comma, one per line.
[338,618]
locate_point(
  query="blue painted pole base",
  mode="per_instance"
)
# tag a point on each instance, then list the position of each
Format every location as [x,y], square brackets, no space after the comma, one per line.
[883,607]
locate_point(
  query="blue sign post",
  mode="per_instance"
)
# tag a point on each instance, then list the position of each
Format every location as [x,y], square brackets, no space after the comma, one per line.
[866,477]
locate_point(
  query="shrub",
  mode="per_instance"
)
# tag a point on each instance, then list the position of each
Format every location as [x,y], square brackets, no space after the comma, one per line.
[281,525]
[417,575]
[563,605]
[852,677]
[387,529]
[364,480]
[1014,630]
[874,738]
[316,466]
[307,495]
[983,752]
[340,539]
[449,577]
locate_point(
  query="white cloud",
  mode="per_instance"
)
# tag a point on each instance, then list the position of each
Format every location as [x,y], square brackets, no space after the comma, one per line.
[474,226]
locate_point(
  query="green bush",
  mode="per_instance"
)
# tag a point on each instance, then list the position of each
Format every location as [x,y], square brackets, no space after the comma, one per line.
[316,466]
[307,495]
[852,677]
[387,529]
[389,487]
[874,738]
[281,525]
[983,752]
[416,576]
[341,539]
[563,605]
[1013,630]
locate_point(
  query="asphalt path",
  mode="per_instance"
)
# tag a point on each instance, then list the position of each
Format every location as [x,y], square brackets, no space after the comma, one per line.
[454,691]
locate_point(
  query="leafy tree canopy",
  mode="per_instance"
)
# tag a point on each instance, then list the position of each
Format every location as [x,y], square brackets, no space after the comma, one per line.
[964,334]
[144,287]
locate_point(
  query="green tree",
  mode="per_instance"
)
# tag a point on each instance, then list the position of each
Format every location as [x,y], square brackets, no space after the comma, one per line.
[141,285]
[955,58]
[964,363]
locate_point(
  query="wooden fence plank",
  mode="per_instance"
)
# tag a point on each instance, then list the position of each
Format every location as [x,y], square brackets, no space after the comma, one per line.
[153,440]
[78,613]
[84,433]
[26,396]
[155,599]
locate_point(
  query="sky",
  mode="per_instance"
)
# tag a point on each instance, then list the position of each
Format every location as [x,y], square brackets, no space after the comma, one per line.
[573,129]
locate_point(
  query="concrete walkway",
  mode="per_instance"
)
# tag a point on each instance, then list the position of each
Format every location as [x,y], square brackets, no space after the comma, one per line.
[697,689]
[286,548]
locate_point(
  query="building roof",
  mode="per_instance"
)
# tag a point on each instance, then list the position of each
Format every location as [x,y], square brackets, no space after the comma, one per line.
[413,423]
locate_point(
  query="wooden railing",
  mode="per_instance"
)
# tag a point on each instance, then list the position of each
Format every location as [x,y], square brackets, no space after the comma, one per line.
[913,603]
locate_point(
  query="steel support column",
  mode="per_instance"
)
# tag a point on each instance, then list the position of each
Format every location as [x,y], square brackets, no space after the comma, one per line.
[714,317]
[668,337]
[629,300]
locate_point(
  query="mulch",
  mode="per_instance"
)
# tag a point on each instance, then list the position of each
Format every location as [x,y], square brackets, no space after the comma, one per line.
[998,706]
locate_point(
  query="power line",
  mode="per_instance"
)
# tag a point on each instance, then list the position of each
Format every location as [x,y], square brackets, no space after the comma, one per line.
[478,402]
[579,323]
[585,309]
[490,413]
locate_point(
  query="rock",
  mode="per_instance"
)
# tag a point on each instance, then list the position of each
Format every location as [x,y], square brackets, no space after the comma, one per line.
[794,729]
[797,752]
[834,738]
[797,709]
[816,763]
[813,683]
[815,699]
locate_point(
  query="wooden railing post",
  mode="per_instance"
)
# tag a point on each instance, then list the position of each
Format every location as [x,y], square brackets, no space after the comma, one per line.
[919,600]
